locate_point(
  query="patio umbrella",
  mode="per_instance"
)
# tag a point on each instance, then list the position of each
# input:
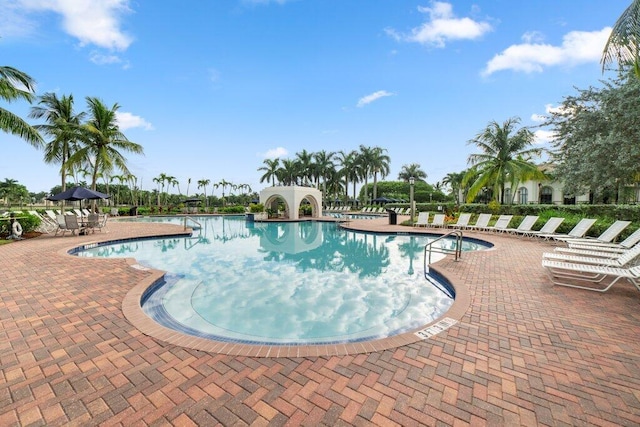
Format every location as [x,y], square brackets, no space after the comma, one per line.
[381,200]
[79,193]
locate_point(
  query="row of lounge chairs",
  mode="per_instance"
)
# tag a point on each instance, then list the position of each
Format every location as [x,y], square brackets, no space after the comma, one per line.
[595,264]
[77,221]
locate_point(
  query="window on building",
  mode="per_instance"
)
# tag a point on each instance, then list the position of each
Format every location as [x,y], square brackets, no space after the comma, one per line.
[546,195]
[523,196]
[507,197]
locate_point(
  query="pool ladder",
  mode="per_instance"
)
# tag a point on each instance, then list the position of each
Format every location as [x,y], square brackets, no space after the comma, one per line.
[457,252]
[188,218]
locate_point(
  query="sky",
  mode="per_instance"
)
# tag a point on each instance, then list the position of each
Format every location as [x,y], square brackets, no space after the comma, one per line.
[211,89]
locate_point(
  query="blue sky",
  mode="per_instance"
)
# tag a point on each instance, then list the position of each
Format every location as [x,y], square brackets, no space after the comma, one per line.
[212,88]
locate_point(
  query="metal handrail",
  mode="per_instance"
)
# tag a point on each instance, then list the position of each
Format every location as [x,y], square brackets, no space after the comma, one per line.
[193,220]
[457,252]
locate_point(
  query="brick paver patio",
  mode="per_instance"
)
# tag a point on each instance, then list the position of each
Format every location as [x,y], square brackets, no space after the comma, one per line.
[524,352]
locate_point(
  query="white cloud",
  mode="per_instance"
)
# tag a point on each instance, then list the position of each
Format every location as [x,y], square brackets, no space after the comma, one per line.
[275,153]
[373,97]
[129,121]
[577,47]
[543,136]
[95,22]
[442,26]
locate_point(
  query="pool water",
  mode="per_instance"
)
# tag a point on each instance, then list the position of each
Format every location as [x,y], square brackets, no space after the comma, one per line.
[287,283]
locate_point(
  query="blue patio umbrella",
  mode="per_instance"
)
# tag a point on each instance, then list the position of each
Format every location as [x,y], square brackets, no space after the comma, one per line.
[79,193]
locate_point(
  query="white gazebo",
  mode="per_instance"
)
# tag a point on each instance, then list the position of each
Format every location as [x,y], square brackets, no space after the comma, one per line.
[292,197]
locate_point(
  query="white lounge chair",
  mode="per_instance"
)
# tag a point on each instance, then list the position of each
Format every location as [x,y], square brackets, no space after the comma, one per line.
[621,260]
[525,226]
[549,227]
[438,220]
[462,222]
[578,231]
[481,223]
[46,225]
[629,242]
[423,219]
[501,224]
[584,274]
[607,235]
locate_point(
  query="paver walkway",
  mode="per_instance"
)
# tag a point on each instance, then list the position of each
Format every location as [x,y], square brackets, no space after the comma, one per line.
[524,353]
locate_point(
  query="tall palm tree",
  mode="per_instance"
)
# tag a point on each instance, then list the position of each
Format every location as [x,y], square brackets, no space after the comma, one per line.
[412,170]
[16,85]
[365,158]
[289,172]
[324,167]
[624,41]
[62,124]
[271,170]
[305,166]
[349,170]
[202,183]
[224,183]
[103,141]
[379,165]
[505,158]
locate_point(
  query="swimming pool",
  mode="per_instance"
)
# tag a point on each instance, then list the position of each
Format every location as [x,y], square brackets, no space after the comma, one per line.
[285,283]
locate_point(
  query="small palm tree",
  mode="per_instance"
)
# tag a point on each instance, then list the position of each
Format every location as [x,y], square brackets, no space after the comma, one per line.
[271,170]
[505,158]
[412,170]
[16,85]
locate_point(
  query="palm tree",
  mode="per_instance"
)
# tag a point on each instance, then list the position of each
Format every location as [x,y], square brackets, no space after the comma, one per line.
[11,83]
[202,183]
[349,170]
[454,181]
[224,183]
[379,165]
[62,124]
[622,45]
[413,170]
[505,158]
[305,169]
[289,172]
[160,180]
[324,166]
[365,157]
[271,170]
[103,142]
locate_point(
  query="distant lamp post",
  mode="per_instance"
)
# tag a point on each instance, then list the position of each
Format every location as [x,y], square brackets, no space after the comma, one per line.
[412,182]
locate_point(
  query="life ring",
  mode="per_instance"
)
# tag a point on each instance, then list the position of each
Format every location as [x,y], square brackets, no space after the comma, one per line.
[16,229]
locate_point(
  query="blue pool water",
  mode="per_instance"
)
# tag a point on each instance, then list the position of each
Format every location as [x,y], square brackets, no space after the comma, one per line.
[286,283]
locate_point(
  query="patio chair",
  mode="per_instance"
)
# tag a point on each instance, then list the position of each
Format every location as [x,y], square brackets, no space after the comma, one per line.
[629,242]
[462,222]
[585,274]
[525,226]
[438,220]
[93,222]
[423,219]
[62,224]
[549,227]
[607,235]
[578,231]
[481,223]
[72,224]
[501,224]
